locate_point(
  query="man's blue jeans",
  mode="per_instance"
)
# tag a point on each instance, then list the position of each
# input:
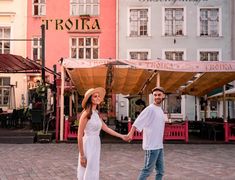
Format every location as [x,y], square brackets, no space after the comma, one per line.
[153,158]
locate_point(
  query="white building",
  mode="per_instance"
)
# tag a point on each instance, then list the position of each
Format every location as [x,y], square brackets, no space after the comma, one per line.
[179,31]
[13,21]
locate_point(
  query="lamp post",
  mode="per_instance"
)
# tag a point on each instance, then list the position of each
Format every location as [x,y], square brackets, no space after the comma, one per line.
[43,76]
[43,52]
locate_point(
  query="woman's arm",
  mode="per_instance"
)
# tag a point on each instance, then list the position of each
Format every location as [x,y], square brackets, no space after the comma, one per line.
[113,133]
[82,125]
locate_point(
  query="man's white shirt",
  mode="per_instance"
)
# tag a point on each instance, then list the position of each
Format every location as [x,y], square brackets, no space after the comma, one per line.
[152,121]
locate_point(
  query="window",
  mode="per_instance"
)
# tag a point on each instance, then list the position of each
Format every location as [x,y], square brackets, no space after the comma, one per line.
[84,7]
[174,55]
[138,22]
[37,48]
[84,48]
[4,91]
[139,55]
[174,21]
[209,22]
[174,103]
[213,105]
[209,56]
[5,33]
[39,7]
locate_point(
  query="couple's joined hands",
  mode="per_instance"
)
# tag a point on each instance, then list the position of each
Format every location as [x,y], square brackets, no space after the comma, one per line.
[126,138]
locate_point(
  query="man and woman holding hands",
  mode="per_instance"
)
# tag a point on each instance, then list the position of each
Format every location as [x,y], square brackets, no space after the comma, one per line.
[150,121]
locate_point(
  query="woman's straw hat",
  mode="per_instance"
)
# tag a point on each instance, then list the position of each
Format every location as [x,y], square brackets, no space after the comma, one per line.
[91,91]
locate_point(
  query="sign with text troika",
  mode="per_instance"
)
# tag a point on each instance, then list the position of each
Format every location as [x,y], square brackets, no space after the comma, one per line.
[160,65]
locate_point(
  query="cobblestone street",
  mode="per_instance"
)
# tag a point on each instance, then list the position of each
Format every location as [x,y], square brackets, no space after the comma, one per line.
[118,161]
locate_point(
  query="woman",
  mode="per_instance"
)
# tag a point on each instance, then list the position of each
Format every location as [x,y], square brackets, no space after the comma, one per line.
[89,144]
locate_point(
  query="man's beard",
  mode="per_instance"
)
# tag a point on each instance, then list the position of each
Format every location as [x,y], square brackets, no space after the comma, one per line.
[159,101]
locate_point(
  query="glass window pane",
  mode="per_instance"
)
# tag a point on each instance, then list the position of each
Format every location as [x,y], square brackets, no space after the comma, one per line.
[74,7]
[81,41]
[35,54]
[174,105]
[81,53]
[1,47]
[95,53]
[74,41]
[35,9]
[88,41]
[95,10]
[6,81]
[6,51]
[42,10]
[74,53]
[35,41]
[7,33]
[7,45]
[88,53]
[81,10]
[95,41]
[88,9]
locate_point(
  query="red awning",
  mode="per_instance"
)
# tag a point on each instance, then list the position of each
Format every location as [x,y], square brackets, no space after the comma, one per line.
[17,64]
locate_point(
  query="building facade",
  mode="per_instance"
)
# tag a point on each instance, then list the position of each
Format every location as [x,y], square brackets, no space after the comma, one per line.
[13,21]
[73,28]
[76,29]
[178,31]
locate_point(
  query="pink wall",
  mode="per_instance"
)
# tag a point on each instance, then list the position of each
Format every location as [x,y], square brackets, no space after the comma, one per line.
[57,41]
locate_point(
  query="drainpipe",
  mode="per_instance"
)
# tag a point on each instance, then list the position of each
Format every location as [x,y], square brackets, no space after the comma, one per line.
[117,29]
[232,7]
[62,104]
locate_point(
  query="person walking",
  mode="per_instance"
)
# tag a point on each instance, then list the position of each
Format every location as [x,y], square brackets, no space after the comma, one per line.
[89,144]
[151,120]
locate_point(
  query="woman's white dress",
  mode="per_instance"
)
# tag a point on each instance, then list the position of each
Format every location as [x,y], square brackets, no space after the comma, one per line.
[91,146]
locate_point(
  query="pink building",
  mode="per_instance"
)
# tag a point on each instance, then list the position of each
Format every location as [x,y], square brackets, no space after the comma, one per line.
[79,29]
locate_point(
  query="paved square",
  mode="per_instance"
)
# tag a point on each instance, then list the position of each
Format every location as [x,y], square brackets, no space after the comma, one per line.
[118,161]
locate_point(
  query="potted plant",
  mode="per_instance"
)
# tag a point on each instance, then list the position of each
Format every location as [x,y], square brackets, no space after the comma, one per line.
[43,135]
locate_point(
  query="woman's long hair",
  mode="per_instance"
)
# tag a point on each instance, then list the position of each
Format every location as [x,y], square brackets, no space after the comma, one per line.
[88,107]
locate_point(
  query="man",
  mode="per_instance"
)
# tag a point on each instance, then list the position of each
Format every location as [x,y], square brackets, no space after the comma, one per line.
[151,121]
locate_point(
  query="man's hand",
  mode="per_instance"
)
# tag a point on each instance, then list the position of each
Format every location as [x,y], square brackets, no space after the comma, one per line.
[125,138]
[130,137]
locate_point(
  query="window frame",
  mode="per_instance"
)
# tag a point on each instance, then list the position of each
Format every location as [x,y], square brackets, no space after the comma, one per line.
[210,50]
[148,23]
[2,88]
[139,51]
[84,46]
[199,22]
[174,50]
[184,29]
[10,44]
[39,4]
[39,48]
[77,4]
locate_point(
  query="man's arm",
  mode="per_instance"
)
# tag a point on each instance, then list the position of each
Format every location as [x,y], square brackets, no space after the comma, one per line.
[131,133]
